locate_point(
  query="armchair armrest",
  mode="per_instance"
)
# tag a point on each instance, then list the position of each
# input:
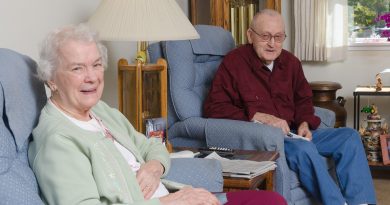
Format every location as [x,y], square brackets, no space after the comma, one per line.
[328,117]
[243,135]
[204,173]
[238,135]
[251,136]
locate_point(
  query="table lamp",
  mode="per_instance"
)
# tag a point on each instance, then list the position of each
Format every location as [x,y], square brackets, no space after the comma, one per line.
[141,21]
[379,85]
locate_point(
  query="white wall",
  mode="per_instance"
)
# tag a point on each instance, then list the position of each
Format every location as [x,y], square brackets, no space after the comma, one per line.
[23,24]
[359,68]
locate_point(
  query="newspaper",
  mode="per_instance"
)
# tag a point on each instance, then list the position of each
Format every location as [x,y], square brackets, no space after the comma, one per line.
[243,168]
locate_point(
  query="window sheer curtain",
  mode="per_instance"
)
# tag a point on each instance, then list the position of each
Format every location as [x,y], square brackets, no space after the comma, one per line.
[321,30]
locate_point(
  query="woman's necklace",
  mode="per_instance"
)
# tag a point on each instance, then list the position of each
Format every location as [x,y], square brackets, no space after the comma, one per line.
[106,131]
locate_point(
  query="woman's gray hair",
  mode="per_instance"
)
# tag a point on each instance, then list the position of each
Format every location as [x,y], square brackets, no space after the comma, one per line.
[49,57]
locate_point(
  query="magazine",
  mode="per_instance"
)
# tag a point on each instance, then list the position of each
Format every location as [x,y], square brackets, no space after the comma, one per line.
[243,168]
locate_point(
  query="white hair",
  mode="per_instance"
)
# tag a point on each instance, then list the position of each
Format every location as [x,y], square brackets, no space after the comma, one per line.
[269,12]
[49,57]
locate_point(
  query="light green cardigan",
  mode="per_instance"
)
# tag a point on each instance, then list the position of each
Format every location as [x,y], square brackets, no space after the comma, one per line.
[75,166]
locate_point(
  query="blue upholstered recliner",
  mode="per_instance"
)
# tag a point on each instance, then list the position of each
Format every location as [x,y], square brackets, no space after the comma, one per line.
[22,97]
[191,68]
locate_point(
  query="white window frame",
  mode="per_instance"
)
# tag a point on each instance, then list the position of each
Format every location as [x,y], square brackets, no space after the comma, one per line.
[366,44]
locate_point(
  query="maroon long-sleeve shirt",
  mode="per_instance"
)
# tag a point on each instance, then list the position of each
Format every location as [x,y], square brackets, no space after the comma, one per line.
[243,85]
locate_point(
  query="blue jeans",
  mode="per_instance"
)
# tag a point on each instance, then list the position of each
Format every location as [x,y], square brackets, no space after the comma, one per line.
[345,147]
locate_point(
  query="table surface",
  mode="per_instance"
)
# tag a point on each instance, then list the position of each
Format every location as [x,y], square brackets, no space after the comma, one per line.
[370,90]
[254,155]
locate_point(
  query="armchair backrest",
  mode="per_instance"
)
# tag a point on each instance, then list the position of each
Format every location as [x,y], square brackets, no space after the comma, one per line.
[22,97]
[191,68]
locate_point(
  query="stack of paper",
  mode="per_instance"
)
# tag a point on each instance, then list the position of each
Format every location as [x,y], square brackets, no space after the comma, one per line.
[183,154]
[243,168]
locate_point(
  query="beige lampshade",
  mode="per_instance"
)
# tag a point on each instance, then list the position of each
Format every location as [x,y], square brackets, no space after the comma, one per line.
[141,20]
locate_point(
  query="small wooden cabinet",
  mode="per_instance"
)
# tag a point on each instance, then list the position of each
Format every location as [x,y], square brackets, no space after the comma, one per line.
[142,91]
[232,15]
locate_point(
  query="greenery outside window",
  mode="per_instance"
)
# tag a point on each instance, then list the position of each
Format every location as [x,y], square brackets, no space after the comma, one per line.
[369,24]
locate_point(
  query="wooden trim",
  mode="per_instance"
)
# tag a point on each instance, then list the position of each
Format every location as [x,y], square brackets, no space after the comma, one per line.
[213,12]
[274,4]
[193,8]
[138,96]
[269,180]
[163,87]
[121,63]
[226,14]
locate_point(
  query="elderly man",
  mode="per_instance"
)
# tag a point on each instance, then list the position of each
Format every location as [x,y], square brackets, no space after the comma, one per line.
[263,83]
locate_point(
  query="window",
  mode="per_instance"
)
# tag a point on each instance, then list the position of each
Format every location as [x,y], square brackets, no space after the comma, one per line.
[369,23]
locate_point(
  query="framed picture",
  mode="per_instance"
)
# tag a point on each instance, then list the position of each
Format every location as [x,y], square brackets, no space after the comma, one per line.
[385,145]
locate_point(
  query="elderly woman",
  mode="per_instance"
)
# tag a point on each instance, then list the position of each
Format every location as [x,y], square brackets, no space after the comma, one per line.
[83,151]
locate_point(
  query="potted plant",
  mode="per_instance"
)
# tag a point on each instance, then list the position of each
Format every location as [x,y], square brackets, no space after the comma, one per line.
[384,32]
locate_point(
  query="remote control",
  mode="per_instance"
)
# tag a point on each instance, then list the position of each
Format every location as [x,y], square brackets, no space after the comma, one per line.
[221,151]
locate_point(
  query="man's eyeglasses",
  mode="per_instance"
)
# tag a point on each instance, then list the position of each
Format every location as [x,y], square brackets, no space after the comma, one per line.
[266,37]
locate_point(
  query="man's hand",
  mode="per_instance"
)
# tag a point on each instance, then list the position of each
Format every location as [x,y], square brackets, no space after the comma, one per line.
[273,121]
[148,177]
[304,131]
[190,196]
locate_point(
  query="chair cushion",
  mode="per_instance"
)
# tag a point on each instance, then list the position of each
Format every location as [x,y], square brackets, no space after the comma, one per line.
[18,184]
[192,65]
[219,43]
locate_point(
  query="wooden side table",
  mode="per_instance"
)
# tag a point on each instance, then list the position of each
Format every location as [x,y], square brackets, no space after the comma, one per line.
[368,91]
[263,181]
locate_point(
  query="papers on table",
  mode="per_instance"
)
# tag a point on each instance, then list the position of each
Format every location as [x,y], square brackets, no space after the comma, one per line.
[243,168]
[183,154]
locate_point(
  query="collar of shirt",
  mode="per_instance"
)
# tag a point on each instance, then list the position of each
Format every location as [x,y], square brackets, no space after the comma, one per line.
[270,66]
[255,61]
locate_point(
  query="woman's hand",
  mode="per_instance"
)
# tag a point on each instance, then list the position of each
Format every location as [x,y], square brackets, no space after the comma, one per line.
[190,196]
[148,177]
[304,131]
